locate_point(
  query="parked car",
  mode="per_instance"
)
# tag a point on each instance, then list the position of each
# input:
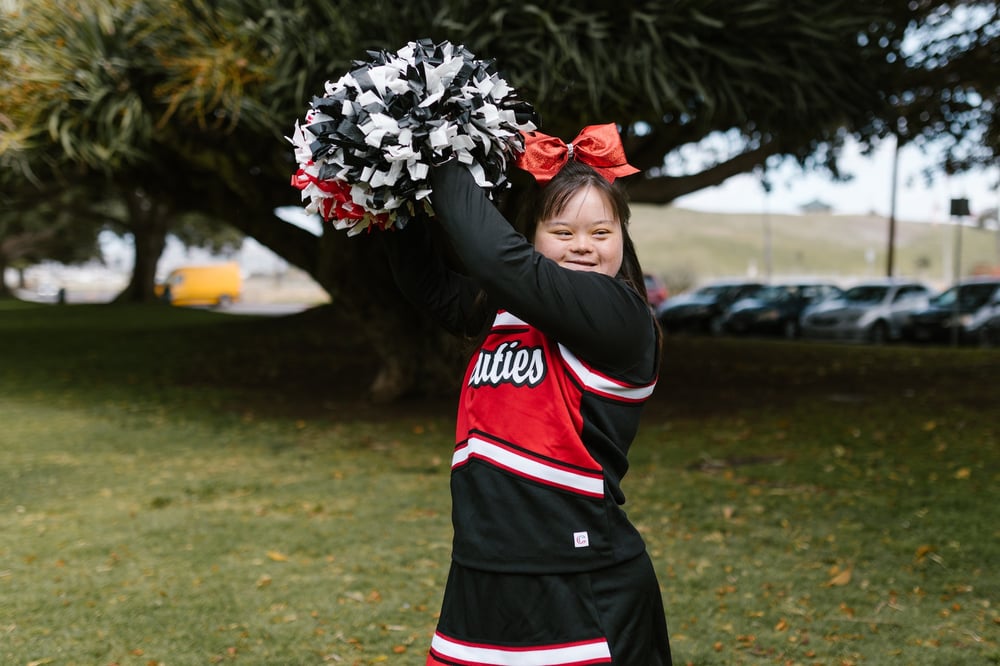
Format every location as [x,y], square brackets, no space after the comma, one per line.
[656,290]
[210,284]
[957,313]
[988,335]
[700,311]
[775,309]
[870,311]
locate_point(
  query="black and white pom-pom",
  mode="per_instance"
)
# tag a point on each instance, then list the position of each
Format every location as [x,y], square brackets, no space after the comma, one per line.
[366,146]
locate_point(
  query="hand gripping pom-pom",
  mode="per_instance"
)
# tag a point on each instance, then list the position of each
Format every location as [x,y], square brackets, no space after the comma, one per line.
[365,147]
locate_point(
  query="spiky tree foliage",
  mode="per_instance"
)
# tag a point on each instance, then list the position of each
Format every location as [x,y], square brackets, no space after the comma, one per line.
[183,104]
[92,90]
[949,91]
[775,78]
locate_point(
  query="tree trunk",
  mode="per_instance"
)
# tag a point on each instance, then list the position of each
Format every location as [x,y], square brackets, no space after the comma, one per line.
[149,222]
[416,358]
[18,246]
[5,291]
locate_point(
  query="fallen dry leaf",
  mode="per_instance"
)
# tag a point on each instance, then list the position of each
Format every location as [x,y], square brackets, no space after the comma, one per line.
[840,579]
[275,556]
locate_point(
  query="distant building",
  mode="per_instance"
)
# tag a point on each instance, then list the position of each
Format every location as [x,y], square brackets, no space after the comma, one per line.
[987,216]
[816,206]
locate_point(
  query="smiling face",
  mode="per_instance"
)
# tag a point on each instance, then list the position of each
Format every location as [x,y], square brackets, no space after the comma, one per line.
[584,235]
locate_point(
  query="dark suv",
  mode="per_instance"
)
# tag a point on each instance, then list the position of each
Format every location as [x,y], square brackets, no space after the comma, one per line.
[957,313]
[775,309]
[700,311]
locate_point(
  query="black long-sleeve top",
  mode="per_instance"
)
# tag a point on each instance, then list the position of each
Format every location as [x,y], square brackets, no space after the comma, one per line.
[538,465]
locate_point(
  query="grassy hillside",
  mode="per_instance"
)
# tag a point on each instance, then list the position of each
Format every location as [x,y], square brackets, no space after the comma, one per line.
[685,246]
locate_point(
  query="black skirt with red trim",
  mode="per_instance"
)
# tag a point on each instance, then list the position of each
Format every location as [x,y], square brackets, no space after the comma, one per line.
[608,616]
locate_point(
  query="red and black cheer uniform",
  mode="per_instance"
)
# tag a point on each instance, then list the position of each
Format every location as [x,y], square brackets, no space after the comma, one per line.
[547,569]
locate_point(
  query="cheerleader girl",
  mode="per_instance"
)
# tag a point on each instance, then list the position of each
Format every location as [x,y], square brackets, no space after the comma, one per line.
[546,569]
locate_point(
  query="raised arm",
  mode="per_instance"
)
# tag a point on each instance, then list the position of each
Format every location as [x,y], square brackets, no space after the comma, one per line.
[601,319]
[422,275]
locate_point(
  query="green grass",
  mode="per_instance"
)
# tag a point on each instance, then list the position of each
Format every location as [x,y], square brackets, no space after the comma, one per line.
[182,487]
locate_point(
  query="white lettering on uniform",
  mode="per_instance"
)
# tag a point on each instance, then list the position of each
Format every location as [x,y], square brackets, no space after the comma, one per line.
[509,363]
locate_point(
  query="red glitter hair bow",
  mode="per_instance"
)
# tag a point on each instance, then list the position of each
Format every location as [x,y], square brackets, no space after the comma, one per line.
[597,146]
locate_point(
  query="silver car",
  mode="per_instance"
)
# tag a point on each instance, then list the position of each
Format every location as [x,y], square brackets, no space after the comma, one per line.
[871,311]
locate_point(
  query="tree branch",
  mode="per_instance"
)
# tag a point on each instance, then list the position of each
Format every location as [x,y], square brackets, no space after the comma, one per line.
[664,189]
[293,244]
[23,244]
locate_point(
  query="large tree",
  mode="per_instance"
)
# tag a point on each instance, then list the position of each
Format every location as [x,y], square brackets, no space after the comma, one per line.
[186,103]
[83,108]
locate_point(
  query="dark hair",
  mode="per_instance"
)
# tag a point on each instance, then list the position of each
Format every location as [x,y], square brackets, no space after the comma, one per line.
[547,201]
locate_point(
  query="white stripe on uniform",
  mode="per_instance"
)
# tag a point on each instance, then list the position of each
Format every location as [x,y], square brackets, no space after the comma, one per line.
[590,379]
[602,384]
[529,467]
[590,652]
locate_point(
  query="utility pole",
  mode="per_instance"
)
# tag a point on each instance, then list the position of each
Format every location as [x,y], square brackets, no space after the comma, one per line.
[891,250]
[959,210]
[766,221]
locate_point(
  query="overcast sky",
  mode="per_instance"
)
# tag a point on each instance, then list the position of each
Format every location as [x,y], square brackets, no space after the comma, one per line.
[869,190]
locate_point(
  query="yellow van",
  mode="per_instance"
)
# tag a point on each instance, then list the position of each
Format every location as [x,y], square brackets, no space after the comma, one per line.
[211,284]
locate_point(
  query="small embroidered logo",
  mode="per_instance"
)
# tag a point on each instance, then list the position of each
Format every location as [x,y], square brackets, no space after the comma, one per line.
[581,539]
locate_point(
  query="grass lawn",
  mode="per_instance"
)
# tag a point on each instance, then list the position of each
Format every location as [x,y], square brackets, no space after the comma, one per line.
[186,487]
